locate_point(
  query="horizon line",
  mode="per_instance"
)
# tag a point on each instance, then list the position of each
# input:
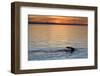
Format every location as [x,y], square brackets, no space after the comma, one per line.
[54,23]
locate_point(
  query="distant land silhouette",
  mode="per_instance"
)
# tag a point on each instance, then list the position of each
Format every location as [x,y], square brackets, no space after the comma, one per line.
[55,23]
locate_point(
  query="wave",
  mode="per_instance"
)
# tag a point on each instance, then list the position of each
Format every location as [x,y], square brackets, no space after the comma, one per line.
[79,53]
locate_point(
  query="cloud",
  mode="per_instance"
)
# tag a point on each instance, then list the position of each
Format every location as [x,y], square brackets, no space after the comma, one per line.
[57,19]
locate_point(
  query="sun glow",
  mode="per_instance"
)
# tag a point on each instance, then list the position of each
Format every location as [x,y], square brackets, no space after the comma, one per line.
[58,20]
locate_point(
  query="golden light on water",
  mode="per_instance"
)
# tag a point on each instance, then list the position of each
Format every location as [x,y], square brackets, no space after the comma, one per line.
[57,35]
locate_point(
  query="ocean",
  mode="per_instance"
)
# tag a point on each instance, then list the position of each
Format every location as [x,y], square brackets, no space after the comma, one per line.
[45,41]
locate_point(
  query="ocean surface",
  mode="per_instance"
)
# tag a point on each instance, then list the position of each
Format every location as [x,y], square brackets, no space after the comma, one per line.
[45,41]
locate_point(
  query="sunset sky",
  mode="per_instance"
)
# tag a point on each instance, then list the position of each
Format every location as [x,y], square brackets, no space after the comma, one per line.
[57,19]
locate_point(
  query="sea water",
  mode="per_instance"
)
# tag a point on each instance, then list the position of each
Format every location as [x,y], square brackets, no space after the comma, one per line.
[45,39]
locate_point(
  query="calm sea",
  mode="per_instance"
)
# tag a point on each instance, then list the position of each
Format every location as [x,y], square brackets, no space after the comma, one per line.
[53,37]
